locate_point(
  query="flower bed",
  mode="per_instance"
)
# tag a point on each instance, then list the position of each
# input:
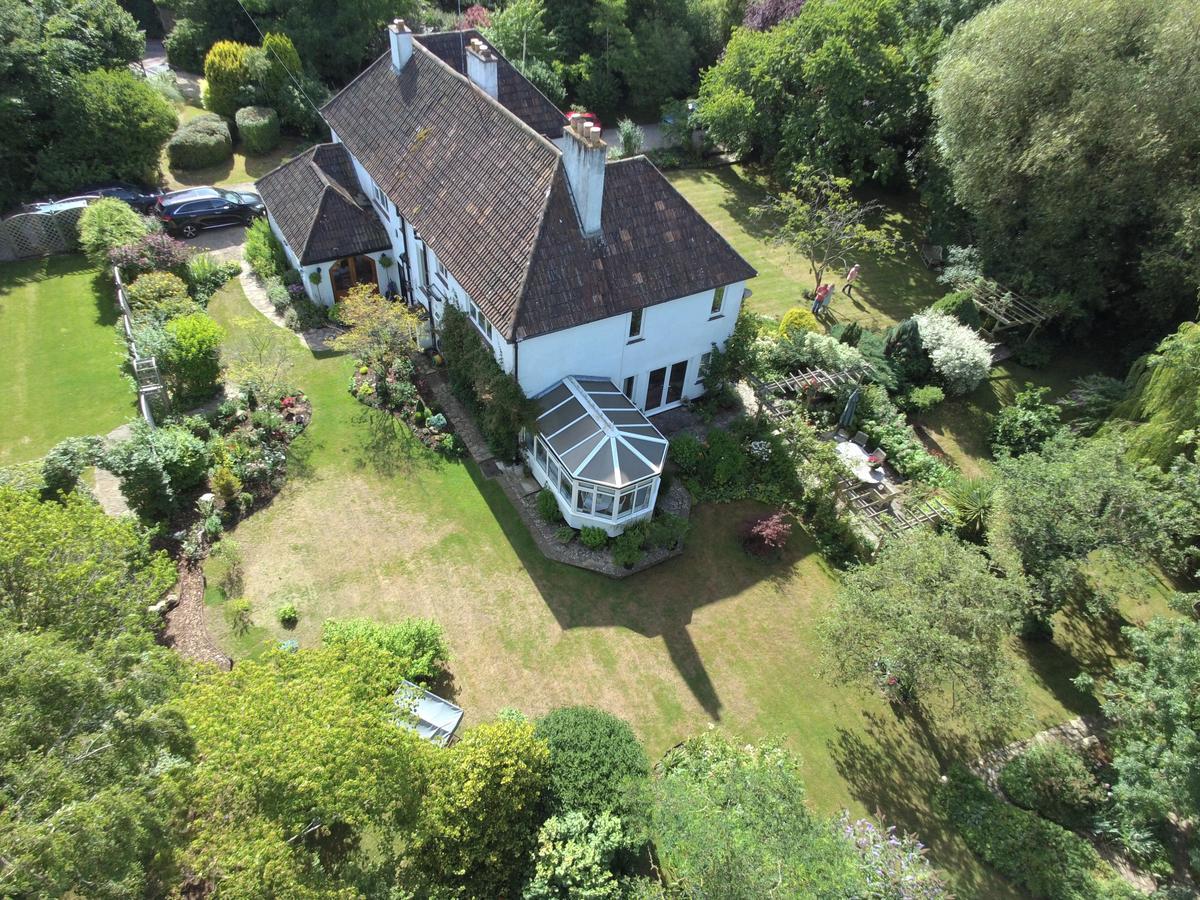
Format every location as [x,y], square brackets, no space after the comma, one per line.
[400,391]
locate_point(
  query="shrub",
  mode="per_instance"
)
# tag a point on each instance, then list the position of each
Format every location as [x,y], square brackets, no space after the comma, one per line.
[959,356]
[283,64]
[959,305]
[263,251]
[597,764]
[799,319]
[972,500]
[687,452]
[193,364]
[204,141]
[564,534]
[922,399]
[205,276]
[288,615]
[223,482]
[547,505]
[627,549]
[65,462]
[1026,424]
[230,568]
[161,295]
[258,129]
[226,77]
[766,535]
[633,139]
[186,45]
[593,538]
[107,124]
[237,614]
[420,643]
[153,252]
[1054,780]
[1044,858]
[157,466]
[107,224]
[666,531]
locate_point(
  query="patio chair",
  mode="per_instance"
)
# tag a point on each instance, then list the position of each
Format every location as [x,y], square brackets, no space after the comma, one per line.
[876,457]
[860,439]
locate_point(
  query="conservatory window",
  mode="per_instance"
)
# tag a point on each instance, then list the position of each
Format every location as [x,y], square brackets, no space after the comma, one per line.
[604,503]
[552,471]
[642,498]
[565,485]
[583,500]
[539,453]
[625,504]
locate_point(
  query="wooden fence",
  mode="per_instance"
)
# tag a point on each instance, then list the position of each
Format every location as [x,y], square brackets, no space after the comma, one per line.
[30,234]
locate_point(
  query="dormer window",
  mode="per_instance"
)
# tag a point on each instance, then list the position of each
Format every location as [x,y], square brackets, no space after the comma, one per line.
[635,325]
[717,302]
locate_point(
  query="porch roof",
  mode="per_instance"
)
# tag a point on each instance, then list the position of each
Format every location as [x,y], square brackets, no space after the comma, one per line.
[598,434]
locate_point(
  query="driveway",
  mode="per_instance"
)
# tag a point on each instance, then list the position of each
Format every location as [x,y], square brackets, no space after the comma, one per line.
[653,132]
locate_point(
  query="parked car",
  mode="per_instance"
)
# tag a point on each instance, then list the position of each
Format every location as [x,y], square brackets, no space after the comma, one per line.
[186,213]
[589,117]
[140,198]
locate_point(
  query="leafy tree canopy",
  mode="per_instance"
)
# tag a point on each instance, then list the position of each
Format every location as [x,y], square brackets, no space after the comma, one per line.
[927,617]
[299,754]
[1026,99]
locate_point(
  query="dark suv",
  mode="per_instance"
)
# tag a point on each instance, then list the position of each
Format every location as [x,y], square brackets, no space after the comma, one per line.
[187,213]
[141,199]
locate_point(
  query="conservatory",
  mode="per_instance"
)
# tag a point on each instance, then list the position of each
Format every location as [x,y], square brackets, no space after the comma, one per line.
[596,452]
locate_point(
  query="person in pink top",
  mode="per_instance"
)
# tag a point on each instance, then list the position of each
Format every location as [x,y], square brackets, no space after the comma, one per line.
[830,290]
[851,277]
[819,298]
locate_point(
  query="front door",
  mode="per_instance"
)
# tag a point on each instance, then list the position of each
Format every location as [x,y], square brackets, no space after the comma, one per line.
[654,389]
[352,270]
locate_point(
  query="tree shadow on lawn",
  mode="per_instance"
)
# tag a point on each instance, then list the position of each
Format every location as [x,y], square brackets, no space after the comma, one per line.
[660,601]
[388,446]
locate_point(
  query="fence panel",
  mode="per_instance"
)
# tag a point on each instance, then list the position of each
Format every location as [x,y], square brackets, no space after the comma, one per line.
[30,234]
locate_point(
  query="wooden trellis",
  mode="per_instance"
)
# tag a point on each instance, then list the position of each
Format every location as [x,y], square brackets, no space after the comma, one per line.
[30,234]
[1007,309]
[881,515]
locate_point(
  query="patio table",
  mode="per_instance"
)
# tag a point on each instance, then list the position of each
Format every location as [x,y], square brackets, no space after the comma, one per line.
[855,458]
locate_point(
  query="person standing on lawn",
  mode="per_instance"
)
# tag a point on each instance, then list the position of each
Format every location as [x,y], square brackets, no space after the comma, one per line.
[819,297]
[830,290]
[851,277]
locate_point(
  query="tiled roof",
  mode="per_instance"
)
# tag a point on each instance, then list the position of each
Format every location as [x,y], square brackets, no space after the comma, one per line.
[489,194]
[316,201]
[653,247]
[467,174]
[517,94]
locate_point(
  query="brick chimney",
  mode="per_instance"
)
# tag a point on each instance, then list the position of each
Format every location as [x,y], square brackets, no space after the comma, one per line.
[583,161]
[400,39]
[482,67]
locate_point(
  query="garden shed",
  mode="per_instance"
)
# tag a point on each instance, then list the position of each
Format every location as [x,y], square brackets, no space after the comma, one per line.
[434,718]
[597,453]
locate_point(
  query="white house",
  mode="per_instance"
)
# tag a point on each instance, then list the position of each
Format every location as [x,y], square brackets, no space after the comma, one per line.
[583,275]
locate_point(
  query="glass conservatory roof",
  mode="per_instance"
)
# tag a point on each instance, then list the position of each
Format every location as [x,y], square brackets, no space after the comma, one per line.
[598,434]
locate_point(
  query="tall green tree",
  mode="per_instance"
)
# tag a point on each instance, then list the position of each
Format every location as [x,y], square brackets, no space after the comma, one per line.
[519,31]
[1153,705]
[1056,507]
[1064,125]
[927,619]
[299,756]
[479,818]
[832,88]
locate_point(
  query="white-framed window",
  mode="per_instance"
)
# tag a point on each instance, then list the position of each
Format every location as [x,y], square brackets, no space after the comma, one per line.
[605,499]
[629,386]
[381,199]
[705,358]
[565,485]
[625,504]
[717,302]
[552,471]
[642,498]
[539,454]
[583,500]
[480,320]
[635,324]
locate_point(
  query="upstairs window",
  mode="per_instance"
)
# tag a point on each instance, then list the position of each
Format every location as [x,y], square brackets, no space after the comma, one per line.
[635,324]
[381,199]
[718,301]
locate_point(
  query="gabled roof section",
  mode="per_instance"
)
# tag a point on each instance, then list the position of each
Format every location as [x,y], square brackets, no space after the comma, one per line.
[316,201]
[469,175]
[517,94]
[653,247]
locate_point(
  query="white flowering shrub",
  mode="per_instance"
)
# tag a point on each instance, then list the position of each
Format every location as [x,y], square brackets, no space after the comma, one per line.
[960,357]
[779,355]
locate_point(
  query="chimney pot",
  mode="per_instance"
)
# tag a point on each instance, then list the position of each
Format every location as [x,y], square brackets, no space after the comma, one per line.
[483,68]
[583,163]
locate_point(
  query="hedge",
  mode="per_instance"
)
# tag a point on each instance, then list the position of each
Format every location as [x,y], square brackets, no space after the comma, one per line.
[1045,859]
[258,129]
[204,141]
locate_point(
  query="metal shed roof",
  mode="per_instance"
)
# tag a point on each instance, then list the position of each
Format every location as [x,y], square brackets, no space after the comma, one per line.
[598,434]
[434,719]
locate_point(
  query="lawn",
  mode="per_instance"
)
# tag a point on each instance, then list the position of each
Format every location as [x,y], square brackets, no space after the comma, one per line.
[369,524]
[888,290]
[240,169]
[61,374]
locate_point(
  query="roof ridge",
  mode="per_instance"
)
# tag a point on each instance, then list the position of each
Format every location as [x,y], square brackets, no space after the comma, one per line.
[310,151]
[312,226]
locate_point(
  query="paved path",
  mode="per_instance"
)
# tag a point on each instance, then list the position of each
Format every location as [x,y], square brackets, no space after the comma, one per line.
[108,487]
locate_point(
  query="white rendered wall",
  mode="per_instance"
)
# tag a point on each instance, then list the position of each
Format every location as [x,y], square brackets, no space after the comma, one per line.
[672,332]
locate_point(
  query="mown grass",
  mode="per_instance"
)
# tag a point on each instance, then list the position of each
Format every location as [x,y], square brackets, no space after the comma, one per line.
[369,524]
[61,371]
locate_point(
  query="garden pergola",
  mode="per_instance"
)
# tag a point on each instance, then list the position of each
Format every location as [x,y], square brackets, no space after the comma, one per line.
[1006,308]
[881,514]
[802,383]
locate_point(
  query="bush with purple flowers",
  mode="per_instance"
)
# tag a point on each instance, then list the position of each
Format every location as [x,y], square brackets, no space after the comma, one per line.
[894,865]
[156,251]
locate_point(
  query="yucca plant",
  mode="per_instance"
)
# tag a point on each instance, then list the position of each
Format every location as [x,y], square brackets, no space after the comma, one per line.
[972,500]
